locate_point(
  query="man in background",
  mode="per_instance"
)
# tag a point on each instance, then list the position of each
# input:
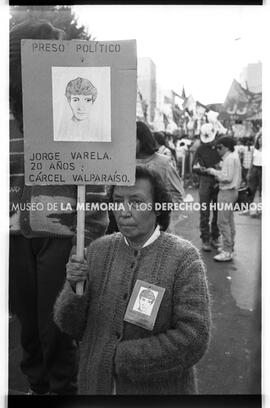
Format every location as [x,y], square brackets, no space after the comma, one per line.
[207,156]
[229,178]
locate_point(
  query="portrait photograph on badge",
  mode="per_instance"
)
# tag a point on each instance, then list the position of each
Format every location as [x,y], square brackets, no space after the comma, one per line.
[81,99]
[145,301]
[144,304]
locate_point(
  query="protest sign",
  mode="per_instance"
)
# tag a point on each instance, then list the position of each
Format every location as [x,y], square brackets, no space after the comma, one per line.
[79,110]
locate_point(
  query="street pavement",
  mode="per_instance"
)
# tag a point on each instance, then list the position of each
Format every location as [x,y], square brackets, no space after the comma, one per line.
[232,362]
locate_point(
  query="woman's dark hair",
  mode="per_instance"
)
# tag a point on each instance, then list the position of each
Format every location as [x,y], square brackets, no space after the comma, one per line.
[147,141]
[159,192]
[28,29]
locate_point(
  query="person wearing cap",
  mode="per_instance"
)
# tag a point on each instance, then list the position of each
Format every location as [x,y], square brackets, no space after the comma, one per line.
[229,178]
[207,156]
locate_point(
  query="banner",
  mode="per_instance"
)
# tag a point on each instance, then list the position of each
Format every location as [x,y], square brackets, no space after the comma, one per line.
[241,103]
[79,110]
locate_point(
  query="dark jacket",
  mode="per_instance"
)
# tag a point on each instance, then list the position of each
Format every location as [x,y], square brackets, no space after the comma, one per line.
[207,156]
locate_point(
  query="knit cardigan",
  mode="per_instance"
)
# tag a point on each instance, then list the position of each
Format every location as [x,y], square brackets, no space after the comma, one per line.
[160,361]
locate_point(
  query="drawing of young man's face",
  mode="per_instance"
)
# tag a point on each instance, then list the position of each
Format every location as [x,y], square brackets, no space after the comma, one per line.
[81,94]
[81,106]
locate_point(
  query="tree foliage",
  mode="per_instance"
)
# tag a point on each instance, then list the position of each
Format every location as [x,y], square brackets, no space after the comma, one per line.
[61,17]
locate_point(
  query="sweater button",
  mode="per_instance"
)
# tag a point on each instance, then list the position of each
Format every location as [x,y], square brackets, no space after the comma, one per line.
[118,335]
[132,265]
[125,296]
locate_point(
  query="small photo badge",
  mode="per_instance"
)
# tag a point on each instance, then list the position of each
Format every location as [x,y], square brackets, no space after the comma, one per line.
[144,303]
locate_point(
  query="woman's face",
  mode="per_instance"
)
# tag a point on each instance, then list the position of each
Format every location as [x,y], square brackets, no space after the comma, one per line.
[136,220]
[81,106]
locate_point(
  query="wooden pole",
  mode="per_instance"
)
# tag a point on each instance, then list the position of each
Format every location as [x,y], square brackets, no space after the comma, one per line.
[80,230]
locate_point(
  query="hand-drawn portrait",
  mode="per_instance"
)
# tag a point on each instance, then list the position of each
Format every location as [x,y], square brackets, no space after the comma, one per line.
[81,104]
[145,301]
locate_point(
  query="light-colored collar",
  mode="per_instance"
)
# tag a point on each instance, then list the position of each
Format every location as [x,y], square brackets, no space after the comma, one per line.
[151,239]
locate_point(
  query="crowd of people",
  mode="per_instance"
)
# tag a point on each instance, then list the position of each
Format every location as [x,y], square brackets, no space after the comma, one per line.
[100,342]
[204,157]
[181,148]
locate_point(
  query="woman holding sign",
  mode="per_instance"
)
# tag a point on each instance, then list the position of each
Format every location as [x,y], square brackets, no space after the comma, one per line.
[41,240]
[144,318]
